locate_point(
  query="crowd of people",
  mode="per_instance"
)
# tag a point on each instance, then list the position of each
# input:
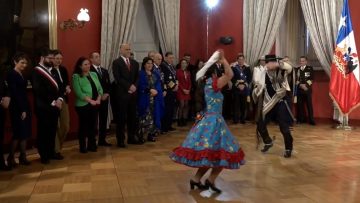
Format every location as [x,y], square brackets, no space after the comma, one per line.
[145,99]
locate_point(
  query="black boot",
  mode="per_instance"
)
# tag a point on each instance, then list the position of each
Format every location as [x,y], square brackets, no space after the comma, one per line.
[23,160]
[267,147]
[287,154]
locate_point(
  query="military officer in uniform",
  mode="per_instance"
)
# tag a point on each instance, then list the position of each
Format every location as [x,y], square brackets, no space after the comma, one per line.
[240,89]
[170,87]
[303,90]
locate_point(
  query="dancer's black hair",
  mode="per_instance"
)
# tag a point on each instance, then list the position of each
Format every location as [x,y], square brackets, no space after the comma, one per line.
[200,103]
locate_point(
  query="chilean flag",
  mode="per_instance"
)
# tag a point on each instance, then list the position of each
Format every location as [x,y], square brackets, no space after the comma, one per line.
[345,72]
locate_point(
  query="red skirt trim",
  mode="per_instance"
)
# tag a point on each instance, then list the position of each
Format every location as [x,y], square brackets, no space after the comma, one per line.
[211,155]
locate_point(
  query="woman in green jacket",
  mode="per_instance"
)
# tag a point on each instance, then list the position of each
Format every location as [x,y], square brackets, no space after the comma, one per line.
[88,94]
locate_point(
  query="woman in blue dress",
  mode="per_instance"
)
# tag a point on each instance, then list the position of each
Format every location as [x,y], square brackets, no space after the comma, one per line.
[150,101]
[210,144]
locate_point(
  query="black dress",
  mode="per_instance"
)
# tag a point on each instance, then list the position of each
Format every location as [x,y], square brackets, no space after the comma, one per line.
[19,103]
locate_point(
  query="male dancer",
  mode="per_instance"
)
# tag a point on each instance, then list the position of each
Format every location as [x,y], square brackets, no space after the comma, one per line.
[270,86]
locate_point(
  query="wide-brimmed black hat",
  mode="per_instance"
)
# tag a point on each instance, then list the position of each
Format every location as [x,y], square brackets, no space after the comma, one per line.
[269,58]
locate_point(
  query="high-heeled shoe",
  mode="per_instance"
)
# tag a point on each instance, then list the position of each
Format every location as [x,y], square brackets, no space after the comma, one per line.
[11,162]
[267,147]
[212,186]
[199,185]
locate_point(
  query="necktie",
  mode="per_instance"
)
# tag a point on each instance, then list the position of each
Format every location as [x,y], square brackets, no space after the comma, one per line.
[58,72]
[128,63]
[99,71]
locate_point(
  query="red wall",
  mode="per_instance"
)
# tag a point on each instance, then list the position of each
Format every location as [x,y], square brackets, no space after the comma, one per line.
[73,44]
[224,20]
[355,16]
[78,42]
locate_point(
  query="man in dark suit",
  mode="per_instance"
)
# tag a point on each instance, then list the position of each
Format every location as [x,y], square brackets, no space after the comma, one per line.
[304,81]
[61,75]
[48,101]
[240,89]
[124,75]
[103,76]
[170,87]
[4,104]
[10,11]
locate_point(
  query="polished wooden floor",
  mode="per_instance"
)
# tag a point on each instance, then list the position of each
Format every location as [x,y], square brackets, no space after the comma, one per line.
[325,167]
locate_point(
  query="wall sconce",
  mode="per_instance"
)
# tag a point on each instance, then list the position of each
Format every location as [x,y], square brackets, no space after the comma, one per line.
[82,18]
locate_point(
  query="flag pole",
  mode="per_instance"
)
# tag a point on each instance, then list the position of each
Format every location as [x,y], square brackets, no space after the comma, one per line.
[344,125]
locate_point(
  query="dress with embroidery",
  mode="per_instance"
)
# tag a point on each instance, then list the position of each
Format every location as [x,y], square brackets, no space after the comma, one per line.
[210,142]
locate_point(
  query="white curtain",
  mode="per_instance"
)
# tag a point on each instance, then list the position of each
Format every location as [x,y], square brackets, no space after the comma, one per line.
[262,19]
[118,19]
[167,17]
[322,18]
[290,35]
[117,23]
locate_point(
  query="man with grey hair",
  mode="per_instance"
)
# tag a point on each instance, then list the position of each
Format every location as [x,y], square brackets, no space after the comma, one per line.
[152,54]
[125,72]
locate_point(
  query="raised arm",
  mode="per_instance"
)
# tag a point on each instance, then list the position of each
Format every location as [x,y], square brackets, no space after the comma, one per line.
[227,76]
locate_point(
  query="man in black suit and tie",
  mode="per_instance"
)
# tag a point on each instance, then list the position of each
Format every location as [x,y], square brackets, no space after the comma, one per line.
[123,76]
[170,87]
[304,81]
[4,104]
[103,76]
[48,101]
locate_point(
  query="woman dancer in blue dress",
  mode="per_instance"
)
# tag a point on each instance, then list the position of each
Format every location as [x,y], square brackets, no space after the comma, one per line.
[210,144]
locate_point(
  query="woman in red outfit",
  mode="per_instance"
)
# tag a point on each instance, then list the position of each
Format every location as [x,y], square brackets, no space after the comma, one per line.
[183,94]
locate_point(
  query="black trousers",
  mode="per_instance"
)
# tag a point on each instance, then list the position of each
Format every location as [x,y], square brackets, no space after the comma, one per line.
[281,114]
[87,126]
[2,135]
[47,122]
[103,117]
[124,110]
[170,104]
[305,98]
[239,104]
